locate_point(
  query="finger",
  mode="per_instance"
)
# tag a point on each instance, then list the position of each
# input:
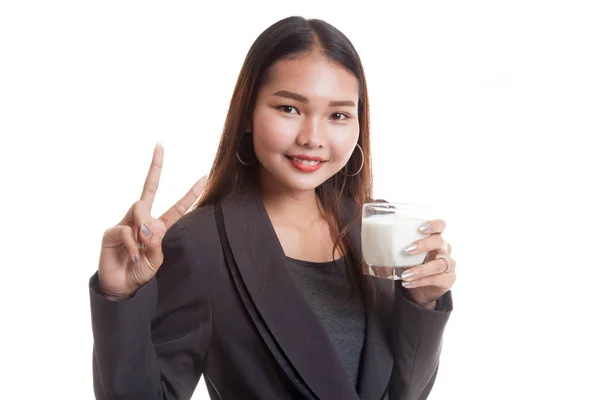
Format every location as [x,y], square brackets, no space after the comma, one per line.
[140,219]
[433,226]
[173,214]
[445,250]
[430,243]
[128,218]
[126,234]
[431,268]
[443,281]
[122,235]
[153,243]
[153,178]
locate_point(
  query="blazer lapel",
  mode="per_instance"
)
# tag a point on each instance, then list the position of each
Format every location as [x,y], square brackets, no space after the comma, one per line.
[377,362]
[280,302]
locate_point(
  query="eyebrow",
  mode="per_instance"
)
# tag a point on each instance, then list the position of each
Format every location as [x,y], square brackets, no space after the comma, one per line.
[295,96]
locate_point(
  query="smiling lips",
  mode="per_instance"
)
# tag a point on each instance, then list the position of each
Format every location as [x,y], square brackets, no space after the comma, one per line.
[305,163]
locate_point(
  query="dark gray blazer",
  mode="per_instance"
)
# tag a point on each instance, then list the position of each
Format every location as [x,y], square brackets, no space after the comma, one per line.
[223,306]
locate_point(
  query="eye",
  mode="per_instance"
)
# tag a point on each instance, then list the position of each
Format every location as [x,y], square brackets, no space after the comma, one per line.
[289,109]
[339,116]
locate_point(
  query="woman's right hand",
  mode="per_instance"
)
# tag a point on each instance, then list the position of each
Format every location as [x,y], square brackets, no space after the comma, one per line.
[131,251]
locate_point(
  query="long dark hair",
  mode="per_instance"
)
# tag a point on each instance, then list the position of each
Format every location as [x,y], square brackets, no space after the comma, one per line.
[285,39]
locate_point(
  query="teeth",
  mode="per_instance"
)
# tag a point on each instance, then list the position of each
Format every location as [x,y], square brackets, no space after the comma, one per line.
[306,162]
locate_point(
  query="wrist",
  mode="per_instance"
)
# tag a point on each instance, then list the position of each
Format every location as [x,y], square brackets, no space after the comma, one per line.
[113,296]
[430,305]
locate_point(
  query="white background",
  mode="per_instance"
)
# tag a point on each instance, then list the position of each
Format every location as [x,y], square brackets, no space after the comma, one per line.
[488,111]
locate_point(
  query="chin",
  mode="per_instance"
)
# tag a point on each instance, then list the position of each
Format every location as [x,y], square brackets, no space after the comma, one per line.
[301,186]
[298,181]
[301,183]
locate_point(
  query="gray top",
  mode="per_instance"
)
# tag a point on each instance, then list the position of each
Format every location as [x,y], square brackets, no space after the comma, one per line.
[340,310]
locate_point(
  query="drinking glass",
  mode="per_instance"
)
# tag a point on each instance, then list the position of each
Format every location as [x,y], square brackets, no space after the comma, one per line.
[387,229]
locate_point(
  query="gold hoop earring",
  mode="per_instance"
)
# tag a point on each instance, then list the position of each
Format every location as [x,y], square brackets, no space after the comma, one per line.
[362,163]
[240,160]
[237,154]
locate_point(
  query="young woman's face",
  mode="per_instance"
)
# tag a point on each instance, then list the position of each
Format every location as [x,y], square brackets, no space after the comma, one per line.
[306,110]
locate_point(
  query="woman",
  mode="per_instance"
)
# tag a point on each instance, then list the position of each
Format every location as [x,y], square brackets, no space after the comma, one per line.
[259,287]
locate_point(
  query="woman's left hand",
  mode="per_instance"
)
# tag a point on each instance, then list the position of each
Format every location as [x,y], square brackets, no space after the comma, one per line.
[429,281]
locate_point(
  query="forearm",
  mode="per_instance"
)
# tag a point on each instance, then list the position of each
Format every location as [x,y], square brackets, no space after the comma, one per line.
[417,342]
[124,360]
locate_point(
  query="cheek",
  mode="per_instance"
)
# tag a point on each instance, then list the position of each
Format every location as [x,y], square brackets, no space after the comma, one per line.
[272,133]
[343,144]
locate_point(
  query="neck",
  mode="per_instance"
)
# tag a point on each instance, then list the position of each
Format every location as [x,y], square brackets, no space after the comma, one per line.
[298,207]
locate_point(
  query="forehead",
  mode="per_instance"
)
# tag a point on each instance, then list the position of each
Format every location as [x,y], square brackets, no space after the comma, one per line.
[314,76]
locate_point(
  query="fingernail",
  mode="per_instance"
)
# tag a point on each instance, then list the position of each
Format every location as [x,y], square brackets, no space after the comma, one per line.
[136,259]
[407,274]
[407,284]
[145,231]
[410,248]
[425,228]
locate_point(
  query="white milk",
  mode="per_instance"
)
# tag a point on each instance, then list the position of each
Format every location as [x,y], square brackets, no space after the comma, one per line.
[384,238]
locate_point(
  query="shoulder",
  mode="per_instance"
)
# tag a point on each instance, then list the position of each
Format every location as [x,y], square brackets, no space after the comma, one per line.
[193,246]
[203,216]
[196,223]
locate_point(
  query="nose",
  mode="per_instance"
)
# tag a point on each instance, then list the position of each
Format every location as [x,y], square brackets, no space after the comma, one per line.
[312,134]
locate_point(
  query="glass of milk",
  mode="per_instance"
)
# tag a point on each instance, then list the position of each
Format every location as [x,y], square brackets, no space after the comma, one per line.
[387,229]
